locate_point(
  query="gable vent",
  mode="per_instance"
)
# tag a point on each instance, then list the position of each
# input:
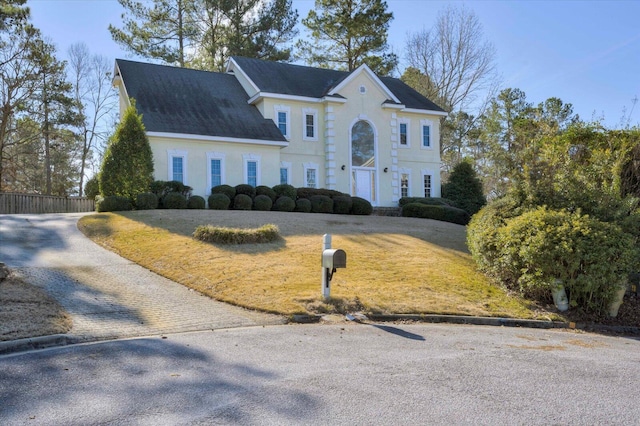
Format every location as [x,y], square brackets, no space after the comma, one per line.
[363,90]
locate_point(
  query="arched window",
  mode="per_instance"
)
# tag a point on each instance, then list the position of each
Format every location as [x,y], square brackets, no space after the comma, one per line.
[363,153]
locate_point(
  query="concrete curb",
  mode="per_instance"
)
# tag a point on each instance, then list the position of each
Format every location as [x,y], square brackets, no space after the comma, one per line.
[31,343]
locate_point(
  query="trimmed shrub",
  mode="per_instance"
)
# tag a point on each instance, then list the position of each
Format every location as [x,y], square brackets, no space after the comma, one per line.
[219,201]
[196,202]
[442,213]
[432,201]
[265,190]
[161,188]
[360,206]
[342,204]
[321,204]
[284,204]
[174,200]
[303,205]
[590,257]
[285,190]
[464,188]
[262,203]
[146,201]
[310,192]
[242,202]
[227,190]
[113,203]
[219,235]
[246,189]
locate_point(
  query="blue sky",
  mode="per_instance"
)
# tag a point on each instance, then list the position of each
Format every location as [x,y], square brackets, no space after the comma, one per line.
[584,52]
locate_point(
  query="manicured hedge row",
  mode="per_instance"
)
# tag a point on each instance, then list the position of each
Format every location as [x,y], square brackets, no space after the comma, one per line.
[436,212]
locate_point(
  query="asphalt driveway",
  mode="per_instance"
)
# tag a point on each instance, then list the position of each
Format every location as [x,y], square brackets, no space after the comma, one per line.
[107,296]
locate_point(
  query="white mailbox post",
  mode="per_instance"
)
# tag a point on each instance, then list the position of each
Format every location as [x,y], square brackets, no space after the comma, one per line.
[331,259]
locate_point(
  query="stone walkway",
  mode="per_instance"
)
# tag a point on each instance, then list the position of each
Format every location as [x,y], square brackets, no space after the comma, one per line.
[107,296]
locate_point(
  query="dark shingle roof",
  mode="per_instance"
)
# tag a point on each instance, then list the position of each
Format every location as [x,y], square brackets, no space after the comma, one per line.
[289,79]
[180,100]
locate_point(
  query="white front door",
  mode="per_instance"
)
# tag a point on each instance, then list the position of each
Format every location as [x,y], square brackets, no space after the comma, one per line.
[363,184]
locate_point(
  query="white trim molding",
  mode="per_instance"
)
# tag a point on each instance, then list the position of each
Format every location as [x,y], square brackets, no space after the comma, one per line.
[314,113]
[246,158]
[216,156]
[177,153]
[424,123]
[286,165]
[286,109]
[407,123]
[310,166]
[204,138]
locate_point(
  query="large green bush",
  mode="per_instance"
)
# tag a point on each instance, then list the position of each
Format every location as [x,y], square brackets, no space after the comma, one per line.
[174,200]
[113,203]
[303,205]
[464,188]
[342,204]
[92,188]
[310,192]
[242,202]
[590,257]
[262,203]
[284,204]
[265,190]
[432,201]
[146,201]
[227,190]
[219,201]
[127,165]
[285,190]
[435,212]
[321,204]
[246,189]
[161,188]
[196,202]
[360,206]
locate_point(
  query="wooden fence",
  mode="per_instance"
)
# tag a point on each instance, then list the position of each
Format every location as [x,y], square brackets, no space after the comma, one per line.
[12,203]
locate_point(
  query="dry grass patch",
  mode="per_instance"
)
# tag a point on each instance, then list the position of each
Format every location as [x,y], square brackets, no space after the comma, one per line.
[27,311]
[395,265]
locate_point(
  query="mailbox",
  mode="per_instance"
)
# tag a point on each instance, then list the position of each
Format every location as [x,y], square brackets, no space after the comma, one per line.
[334,258]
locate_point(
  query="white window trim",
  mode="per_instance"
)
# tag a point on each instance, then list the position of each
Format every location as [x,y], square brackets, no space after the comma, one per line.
[422,175]
[408,123]
[287,165]
[287,110]
[216,156]
[403,171]
[430,124]
[314,113]
[171,154]
[251,157]
[310,166]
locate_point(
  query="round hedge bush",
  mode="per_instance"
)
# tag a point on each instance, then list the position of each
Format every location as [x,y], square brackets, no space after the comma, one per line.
[113,203]
[146,201]
[321,204]
[246,189]
[442,213]
[175,200]
[262,203]
[285,190]
[361,206]
[342,204]
[303,205]
[265,190]
[284,204]
[219,201]
[242,202]
[196,202]
[227,190]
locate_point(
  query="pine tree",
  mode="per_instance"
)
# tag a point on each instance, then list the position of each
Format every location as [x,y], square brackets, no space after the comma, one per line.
[127,166]
[464,188]
[348,33]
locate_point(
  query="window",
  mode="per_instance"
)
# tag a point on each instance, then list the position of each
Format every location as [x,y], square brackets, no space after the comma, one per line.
[427,185]
[403,134]
[282,114]
[404,184]
[285,172]
[310,124]
[311,178]
[310,175]
[426,133]
[177,165]
[178,169]
[215,169]
[251,169]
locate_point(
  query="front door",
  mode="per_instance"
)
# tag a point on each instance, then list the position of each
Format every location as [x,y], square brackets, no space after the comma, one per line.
[363,161]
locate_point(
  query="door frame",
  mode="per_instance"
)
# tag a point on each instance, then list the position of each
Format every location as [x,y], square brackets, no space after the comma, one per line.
[374,169]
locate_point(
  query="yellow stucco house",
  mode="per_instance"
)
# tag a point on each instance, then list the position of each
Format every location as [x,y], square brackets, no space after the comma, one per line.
[267,123]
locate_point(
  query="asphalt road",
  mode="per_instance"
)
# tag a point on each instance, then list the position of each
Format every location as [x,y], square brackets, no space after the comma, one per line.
[354,374]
